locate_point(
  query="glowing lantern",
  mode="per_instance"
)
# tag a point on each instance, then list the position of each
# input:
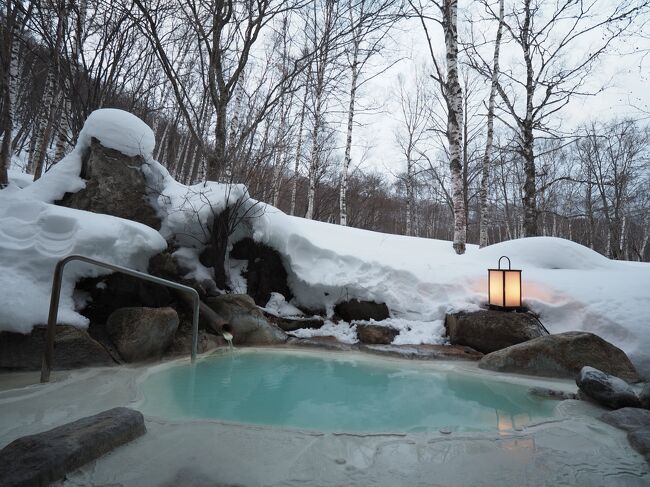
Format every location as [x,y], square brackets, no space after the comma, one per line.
[504,287]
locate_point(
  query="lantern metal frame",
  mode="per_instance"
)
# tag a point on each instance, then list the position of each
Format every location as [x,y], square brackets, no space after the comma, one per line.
[503,286]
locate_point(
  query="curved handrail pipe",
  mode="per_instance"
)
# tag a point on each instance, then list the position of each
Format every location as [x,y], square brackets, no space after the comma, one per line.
[46,366]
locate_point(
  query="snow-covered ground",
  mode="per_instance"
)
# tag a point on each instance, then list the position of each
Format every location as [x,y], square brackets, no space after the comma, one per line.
[570,286]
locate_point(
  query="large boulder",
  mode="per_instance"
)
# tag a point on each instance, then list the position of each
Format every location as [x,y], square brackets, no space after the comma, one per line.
[376,334]
[46,457]
[561,355]
[606,389]
[265,272]
[182,342]
[355,310]
[489,330]
[73,348]
[142,333]
[248,324]
[115,185]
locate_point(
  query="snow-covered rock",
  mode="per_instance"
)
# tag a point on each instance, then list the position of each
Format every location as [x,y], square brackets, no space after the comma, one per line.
[606,389]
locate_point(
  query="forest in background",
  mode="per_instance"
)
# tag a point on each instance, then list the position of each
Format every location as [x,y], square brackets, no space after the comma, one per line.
[269,93]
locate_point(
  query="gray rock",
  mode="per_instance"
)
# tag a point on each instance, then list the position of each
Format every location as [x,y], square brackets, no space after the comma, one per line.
[644,396]
[606,389]
[324,342]
[142,333]
[355,310]
[640,441]
[293,324]
[424,352]
[628,419]
[246,320]
[551,393]
[182,343]
[561,355]
[636,422]
[265,271]
[73,348]
[489,330]
[376,334]
[47,457]
[115,185]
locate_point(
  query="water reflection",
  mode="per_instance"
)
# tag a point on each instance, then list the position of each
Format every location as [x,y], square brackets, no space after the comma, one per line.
[335,395]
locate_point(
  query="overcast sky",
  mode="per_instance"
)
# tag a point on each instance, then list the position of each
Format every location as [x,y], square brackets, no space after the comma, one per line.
[626,79]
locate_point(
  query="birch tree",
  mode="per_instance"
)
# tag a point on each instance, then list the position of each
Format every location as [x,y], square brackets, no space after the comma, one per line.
[322,41]
[446,16]
[489,138]
[369,24]
[555,69]
[9,61]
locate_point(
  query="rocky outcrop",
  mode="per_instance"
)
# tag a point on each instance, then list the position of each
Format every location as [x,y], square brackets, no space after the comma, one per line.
[376,334]
[265,272]
[561,355]
[246,320]
[355,310]
[606,389]
[142,333]
[46,457]
[488,330]
[115,185]
[636,422]
[73,348]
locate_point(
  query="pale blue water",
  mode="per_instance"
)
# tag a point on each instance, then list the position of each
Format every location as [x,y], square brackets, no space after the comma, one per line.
[337,394]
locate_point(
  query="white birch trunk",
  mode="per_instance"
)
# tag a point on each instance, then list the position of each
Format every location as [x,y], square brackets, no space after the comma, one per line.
[296,169]
[10,100]
[454,96]
[487,156]
[343,202]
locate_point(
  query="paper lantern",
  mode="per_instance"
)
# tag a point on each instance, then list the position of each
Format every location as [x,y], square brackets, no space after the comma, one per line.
[504,287]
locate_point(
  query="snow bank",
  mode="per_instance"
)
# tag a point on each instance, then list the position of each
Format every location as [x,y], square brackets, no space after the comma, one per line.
[34,236]
[569,285]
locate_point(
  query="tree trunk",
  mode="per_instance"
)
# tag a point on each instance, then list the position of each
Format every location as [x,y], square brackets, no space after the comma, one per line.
[343,205]
[296,169]
[454,123]
[487,155]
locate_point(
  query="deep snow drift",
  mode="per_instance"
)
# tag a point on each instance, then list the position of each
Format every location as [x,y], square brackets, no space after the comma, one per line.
[570,286]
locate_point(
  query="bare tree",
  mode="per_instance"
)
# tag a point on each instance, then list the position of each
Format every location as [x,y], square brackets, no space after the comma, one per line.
[546,34]
[489,138]
[446,15]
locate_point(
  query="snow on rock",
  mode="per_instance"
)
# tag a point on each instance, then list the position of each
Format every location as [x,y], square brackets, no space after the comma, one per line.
[344,332]
[279,306]
[119,130]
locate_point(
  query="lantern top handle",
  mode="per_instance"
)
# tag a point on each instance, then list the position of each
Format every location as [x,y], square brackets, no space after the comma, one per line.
[509,264]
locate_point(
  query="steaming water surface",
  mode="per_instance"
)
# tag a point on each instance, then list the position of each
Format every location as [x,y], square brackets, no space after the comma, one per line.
[338,394]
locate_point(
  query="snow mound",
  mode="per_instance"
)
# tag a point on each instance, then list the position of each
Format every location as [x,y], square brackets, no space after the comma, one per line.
[34,236]
[569,285]
[548,253]
[119,130]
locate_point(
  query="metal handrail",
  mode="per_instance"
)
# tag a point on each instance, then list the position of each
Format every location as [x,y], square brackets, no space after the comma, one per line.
[56,295]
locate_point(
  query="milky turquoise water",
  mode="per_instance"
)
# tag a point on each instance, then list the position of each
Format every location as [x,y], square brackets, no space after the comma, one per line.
[315,392]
